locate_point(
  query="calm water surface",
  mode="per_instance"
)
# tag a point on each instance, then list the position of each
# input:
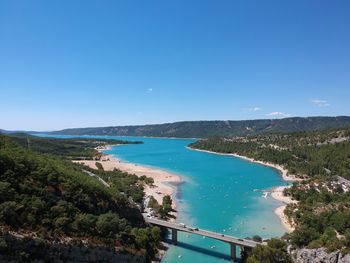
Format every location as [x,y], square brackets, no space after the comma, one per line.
[217,194]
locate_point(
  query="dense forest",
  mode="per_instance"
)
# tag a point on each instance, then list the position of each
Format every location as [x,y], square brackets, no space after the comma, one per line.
[308,154]
[203,129]
[49,199]
[70,148]
[322,214]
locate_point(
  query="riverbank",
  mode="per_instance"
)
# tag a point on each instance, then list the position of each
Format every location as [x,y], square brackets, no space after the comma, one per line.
[277,192]
[164,182]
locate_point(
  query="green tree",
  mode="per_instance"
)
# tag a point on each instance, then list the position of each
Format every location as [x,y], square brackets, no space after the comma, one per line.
[85,223]
[274,252]
[8,213]
[110,224]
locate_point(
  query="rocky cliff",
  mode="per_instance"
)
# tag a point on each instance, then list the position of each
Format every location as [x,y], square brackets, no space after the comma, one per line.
[319,255]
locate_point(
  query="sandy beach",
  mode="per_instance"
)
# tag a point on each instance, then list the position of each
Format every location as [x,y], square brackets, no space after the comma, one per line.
[164,182]
[277,192]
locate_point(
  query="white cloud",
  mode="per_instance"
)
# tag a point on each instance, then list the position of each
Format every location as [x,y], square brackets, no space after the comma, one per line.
[320,103]
[277,114]
[253,109]
[149,90]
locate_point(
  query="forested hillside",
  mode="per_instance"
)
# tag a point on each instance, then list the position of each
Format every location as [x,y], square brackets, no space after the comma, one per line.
[48,200]
[322,214]
[302,153]
[71,148]
[202,129]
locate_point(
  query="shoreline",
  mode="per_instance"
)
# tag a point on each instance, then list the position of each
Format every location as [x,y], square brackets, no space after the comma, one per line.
[282,171]
[276,192]
[165,183]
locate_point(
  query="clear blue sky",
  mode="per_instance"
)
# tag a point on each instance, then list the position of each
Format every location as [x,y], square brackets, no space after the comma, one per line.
[99,63]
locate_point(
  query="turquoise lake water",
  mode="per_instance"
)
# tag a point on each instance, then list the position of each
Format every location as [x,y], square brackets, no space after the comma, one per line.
[217,194]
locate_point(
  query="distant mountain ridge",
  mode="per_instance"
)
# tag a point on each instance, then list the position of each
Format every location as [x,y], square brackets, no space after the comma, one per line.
[201,129]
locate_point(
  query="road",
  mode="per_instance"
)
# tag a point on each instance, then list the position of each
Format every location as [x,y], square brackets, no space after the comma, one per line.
[97,177]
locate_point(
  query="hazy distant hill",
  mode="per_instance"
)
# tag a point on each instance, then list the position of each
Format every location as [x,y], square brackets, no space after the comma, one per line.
[209,128]
[13,132]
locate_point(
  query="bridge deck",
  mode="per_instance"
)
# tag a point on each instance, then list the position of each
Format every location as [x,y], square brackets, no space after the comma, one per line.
[202,232]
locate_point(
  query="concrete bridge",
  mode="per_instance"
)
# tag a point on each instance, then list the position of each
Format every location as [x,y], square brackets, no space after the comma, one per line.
[244,244]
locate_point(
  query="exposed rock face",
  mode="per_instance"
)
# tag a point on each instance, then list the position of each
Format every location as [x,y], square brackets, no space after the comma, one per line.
[344,258]
[319,255]
[19,250]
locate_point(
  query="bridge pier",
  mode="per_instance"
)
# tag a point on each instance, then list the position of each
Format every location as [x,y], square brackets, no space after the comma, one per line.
[233,252]
[245,253]
[174,236]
